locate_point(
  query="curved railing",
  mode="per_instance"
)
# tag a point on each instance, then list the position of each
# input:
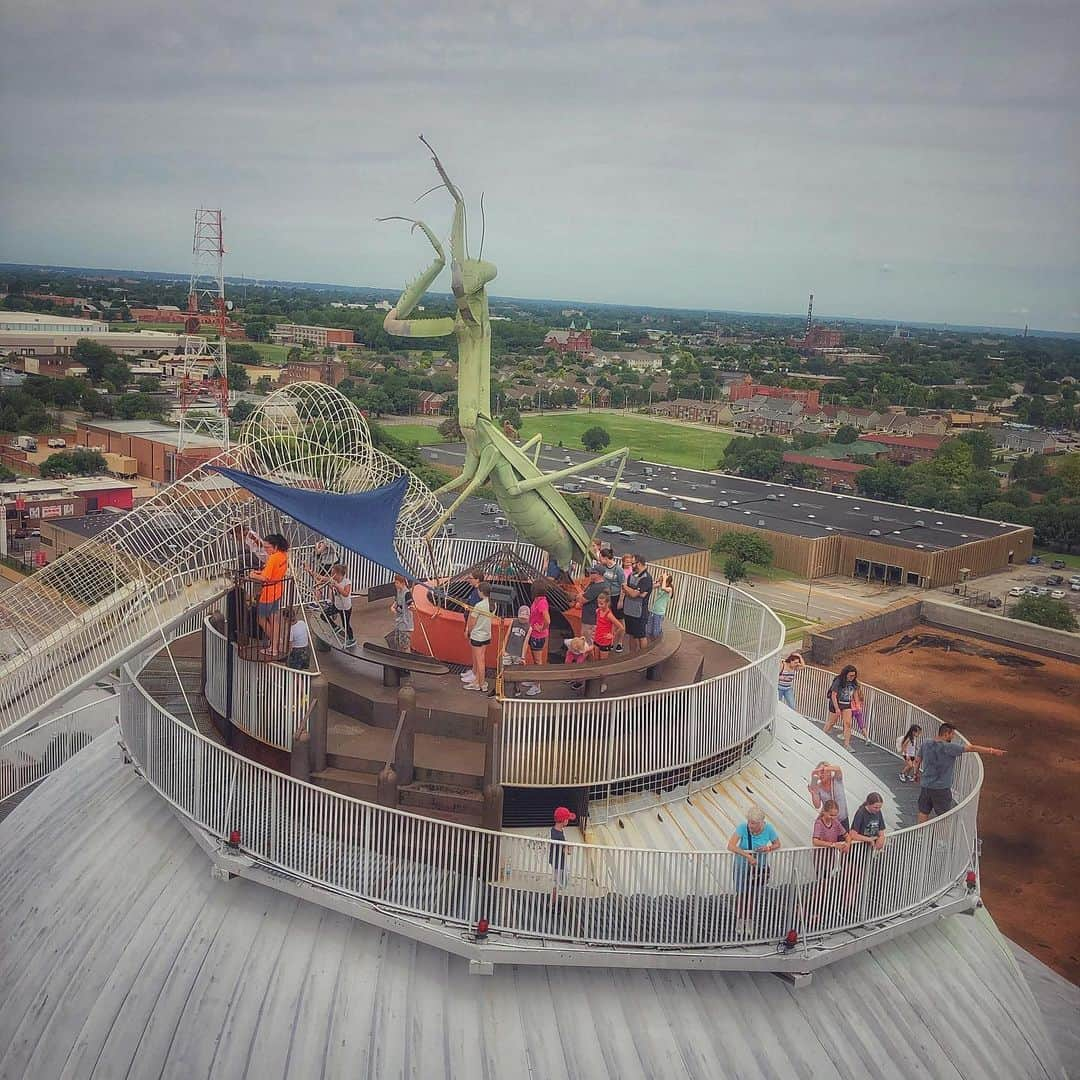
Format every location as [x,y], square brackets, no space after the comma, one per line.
[450,876]
[30,757]
[269,701]
[594,741]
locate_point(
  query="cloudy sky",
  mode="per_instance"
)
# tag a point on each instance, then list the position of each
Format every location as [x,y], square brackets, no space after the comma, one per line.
[909,160]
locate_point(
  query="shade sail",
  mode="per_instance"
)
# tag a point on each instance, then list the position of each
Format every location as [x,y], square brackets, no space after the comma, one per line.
[363,521]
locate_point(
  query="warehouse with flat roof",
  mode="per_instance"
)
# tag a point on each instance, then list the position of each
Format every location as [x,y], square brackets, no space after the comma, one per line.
[812,533]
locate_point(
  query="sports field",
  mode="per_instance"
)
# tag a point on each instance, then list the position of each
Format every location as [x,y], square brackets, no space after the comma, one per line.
[654,440]
[423,434]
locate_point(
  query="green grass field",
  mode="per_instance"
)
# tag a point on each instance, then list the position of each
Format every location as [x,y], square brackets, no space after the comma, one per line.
[272,354]
[1071,561]
[652,440]
[422,434]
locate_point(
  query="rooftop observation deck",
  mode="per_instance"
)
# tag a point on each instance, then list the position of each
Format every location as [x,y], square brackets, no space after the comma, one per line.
[660,776]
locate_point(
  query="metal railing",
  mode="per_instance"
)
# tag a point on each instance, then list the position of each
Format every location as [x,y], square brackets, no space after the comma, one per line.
[270,702]
[453,875]
[30,757]
[595,741]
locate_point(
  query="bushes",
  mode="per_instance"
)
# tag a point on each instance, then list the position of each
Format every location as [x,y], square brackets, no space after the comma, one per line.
[1044,611]
[746,547]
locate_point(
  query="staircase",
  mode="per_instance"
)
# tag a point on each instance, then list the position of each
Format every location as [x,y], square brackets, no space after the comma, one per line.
[448,771]
[183,696]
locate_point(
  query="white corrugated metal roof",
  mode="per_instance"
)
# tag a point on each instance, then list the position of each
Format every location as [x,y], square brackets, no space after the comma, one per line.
[120,956]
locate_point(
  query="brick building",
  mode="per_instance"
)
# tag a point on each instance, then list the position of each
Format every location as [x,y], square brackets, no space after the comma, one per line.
[838,475]
[572,340]
[320,370]
[748,389]
[906,449]
[151,443]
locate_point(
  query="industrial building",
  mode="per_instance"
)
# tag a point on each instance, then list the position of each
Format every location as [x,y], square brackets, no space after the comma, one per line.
[812,533]
[31,333]
[151,443]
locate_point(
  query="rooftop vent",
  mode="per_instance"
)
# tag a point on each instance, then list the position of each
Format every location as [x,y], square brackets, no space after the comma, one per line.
[920,546]
[772,497]
[920,524]
[809,515]
[761,521]
[875,532]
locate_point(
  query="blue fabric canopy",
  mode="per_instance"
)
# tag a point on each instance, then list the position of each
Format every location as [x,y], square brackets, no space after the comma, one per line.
[364,521]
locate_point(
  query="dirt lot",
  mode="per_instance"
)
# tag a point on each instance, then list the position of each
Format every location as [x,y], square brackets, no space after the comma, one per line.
[1028,704]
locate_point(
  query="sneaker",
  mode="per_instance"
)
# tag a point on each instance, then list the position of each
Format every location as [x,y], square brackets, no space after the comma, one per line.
[532,689]
[579,685]
[350,641]
[480,687]
[468,676]
[618,648]
[603,688]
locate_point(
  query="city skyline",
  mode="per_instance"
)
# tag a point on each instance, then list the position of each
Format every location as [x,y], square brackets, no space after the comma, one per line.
[918,165]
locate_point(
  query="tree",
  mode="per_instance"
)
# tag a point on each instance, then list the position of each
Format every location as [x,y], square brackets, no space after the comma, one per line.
[512,416]
[6,474]
[73,463]
[243,353]
[1044,611]
[746,547]
[93,356]
[734,569]
[846,434]
[884,481]
[677,529]
[241,411]
[238,376]
[594,439]
[1068,472]
[982,448]
[264,385]
[450,430]
[257,329]
[760,464]
[95,403]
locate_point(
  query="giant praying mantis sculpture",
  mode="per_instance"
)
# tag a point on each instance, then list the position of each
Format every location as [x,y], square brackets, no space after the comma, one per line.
[526,494]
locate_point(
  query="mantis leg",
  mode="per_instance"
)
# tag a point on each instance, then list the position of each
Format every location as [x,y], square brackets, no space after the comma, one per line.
[468,470]
[537,441]
[489,457]
[561,474]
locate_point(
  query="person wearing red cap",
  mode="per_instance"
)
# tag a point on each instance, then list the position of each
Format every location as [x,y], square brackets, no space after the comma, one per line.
[556,851]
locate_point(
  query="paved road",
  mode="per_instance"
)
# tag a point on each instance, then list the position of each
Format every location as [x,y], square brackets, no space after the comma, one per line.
[831,600]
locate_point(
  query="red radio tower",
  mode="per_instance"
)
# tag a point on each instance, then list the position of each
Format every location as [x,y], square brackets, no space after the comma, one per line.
[207,282]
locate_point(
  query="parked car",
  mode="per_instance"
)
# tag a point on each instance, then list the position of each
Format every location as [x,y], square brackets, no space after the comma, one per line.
[994,602]
[490,508]
[1075,579]
[59,444]
[1055,579]
[1057,564]
[1074,586]
[1017,590]
[1034,560]
[611,528]
[1058,594]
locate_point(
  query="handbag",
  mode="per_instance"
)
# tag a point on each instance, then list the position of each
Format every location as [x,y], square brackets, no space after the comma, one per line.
[758,874]
[857,716]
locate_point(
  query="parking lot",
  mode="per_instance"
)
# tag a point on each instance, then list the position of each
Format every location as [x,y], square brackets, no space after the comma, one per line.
[980,590]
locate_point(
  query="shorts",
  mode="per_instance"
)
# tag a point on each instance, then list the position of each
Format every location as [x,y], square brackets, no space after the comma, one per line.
[635,625]
[934,799]
[603,648]
[483,643]
[264,609]
[538,643]
[559,874]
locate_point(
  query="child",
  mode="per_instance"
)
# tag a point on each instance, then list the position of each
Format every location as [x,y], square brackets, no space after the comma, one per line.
[514,648]
[478,630]
[577,652]
[907,746]
[341,597]
[606,627]
[556,852]
[400,638]
[299,640]
[539,622]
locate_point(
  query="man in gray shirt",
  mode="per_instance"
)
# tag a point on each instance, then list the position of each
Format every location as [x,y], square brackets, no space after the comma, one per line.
[937,763]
